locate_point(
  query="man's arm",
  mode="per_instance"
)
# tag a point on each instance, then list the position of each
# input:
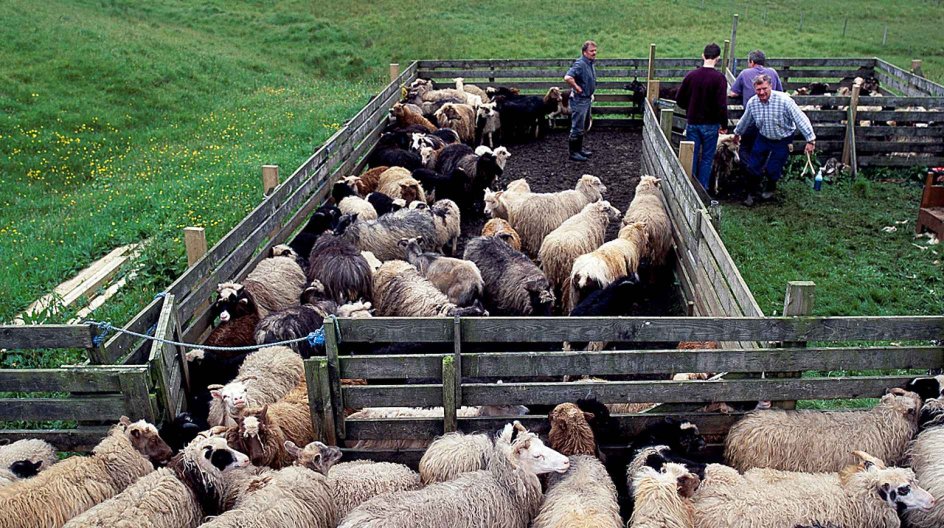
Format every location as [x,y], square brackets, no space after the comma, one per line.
[803,124]
[736,87]
[573,84]
[775,82]
[746,120]
[684,94]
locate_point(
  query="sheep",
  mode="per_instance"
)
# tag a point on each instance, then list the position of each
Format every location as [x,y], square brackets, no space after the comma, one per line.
[24,459]
[298,496]
[617,299]
[459,279]
[501,229]
[349,202]
[426,412]
[178,496]
[146,440]
[239,315]
[487,123]
[406,116]
[421,141]
[480,171]
[424,92]
[682,437]
[871,497]
[382,236]
[506,495]
[368,181]
[570,431]
[657,457]
[924,458]
[396,182]
[383,204]
[614,259]
[663,498]
[324,219]
[727,178]
[815,441]
[459,117]
[931,411]
[472,89]
[400,290]
[73,485]
[513,284]
[261,433]
[522,113]
[447,219]
[297,322]
[535,215]
[578,235]
[181,430]
[927,387]
[264,377]
[453,454]
[353,483]
[496,202]
[339,266]
[438,186]
[583,496]
[648,207]
[391,150]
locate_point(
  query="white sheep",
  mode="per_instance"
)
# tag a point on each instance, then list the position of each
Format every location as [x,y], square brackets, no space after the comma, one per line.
[816,441]
[506,495]
[584,496]
[662,499]
[178,496]
[275,283]
[448,223]
[297,496]
[578,235]
[648,206]
[73,485]
[866,498]
[534,215]
[472,89]
[924,455]
[453,454]
[25,458]
[614,259]
[356,482]
[264,377]
[487,114]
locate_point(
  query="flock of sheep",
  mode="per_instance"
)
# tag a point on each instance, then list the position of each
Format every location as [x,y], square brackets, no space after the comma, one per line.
[785,469]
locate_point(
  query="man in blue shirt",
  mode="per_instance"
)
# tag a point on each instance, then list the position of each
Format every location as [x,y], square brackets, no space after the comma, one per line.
[582,78]
[743,87]
[777,118]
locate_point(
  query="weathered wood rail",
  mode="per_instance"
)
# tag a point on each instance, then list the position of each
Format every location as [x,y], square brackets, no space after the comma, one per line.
[470,378]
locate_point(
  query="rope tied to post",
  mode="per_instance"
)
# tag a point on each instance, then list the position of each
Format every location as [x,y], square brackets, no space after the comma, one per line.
[314,338]
[103,330]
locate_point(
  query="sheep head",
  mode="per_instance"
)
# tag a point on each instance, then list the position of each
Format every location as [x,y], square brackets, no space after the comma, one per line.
[591,186]
[315,456]
[635,233]
[685,481]
[605,210]
[553,94]
[493,205]
[648,184]
[409,190]
[253,432]
[527,451]
[908,404]
[426,155]
[234,395]
[501,157]
[146,440]
[540,295]
[210,455]
[234,301]
[570,431]
[897,487]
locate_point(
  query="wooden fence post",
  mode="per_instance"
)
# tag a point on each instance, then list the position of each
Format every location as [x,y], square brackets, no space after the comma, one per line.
[270,178]
[725,55]
[650,75]
[665,119]
[849,146]
[334,375]
[687,156]
[196,244]
[457,357]
[394,71]
[916,67]
[798,301]
[450,423]
[733,55]
[652,92]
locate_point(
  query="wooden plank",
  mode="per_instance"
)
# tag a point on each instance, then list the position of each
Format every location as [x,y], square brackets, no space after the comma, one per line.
[122,344]
[79,440]
[449,387]
[134,390]
[160,356]
[919,83]
[108,407]
[195,244]
[316,404]
[625,425]
[798,300]
[884,161]
[64,380]
[601,64]
[729,269]
[26,337]
[874,147]
[892,101]
[627,391]
[334,378]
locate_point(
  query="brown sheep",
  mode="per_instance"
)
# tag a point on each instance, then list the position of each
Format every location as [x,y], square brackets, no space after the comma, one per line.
[369,180]
[498,227]
[570,433]
[406,117]
[262,432]
[459,117]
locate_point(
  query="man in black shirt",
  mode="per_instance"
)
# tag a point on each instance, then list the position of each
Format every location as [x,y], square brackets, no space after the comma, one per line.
[704,96]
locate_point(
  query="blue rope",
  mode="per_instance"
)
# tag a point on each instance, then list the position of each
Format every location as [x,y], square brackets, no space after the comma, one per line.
[314,338]
[160,295]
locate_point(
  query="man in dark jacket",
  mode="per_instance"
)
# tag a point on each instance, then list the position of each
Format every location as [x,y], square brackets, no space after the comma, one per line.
[582,78]
[704,96]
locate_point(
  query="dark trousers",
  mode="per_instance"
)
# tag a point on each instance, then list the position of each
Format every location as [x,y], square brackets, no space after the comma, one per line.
[767,155]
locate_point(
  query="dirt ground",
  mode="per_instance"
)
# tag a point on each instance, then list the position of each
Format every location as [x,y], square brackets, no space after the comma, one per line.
[545,164]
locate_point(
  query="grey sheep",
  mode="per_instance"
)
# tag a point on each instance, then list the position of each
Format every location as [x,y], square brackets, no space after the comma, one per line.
[382,236]
[275,283]
[513,284]
[447,220]
[338,265]
[400,291]
[459,279]
[648,206]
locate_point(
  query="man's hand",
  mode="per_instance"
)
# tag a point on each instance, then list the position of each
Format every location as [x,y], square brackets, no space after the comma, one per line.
[578,89]
[810,147]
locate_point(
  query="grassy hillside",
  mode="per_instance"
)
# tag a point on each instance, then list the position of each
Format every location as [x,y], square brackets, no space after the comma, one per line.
[123,120]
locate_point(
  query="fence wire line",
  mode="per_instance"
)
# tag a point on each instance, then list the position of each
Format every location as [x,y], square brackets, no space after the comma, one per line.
[313,338]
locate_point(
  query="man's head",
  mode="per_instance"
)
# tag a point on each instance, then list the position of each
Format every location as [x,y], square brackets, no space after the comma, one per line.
[712,51]
[589,50]
[757,58]
[762,87]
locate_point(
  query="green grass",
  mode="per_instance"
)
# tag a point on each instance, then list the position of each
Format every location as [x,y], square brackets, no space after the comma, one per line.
[122,121]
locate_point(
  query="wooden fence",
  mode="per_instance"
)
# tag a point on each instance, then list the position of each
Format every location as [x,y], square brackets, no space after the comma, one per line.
[82,393]
[458,377]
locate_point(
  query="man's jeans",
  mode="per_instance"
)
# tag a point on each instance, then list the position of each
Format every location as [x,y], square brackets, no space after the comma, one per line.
[706,142]
[579,108]
[769,154]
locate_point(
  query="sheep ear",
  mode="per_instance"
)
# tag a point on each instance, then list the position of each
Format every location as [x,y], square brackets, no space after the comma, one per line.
[125,421]
[217,393]
[588,416]
[262,414]
[244,301]
[292,449]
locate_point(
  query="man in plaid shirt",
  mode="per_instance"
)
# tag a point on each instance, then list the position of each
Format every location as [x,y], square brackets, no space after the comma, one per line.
[777,117]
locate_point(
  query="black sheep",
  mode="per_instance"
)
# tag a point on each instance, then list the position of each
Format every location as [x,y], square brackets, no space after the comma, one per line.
[930,387]
[324,219]
[181,430]
[339,266]
[440,186]
[382,203]
[681,436]
[618,299]
[638,90]
[522,115]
